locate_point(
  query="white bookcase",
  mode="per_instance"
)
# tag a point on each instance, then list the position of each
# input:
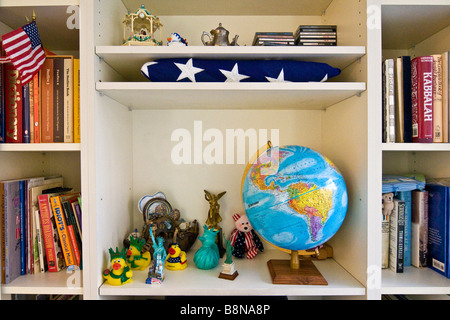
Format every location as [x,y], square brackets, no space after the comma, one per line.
[127,123]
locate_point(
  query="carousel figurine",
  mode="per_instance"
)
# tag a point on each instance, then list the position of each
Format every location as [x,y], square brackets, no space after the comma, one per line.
[139,29]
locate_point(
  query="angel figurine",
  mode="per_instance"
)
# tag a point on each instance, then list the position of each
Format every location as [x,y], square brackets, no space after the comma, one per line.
[213,215]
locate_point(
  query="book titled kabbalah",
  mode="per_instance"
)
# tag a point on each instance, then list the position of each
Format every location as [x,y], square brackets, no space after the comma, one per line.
[422,98]
[397,237]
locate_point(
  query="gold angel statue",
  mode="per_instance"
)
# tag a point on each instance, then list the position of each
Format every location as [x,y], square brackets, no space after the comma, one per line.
[213,215]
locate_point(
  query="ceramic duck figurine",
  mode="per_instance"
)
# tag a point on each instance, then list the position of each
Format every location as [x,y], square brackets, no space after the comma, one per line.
[120,273]
[176,40]
[135,258]
[176,259]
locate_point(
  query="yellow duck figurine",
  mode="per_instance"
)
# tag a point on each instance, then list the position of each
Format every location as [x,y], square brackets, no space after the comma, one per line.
[135,258]
[176,259]
[120,273]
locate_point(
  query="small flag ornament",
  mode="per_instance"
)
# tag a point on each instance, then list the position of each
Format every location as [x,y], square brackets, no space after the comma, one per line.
[24,50]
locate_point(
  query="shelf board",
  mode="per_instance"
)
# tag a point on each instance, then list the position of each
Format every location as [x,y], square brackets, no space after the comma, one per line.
[253,280]
[60,282]
[416,146]
[128,60]
[41,147]
[414,281]
[249,95]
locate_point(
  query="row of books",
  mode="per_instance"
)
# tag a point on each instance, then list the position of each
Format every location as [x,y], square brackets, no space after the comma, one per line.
[415,99]
[415,228]
[316,35]
[40,224]
[46,109]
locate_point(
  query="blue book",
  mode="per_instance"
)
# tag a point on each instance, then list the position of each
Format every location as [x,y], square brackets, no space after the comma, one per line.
[406,197]
[438,228]
[23,229]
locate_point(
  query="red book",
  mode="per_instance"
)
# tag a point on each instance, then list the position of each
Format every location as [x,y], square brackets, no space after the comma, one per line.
[13,105]
[47,233]
[422,98]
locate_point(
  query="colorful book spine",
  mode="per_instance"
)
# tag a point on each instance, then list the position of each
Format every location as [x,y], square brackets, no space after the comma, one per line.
[406,197]
[438,228]
[76,100]
[26,113]
[419,228]
[47,233]
[389,100]
[62,231]
[437,98]
[46,81]
[23,229]
[422,98]
[36,109]
[68,100]
[58,100]
[13,105]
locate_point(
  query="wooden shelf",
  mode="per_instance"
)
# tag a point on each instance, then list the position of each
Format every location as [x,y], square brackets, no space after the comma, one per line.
[119,57]
[42,147]
[416,146]
[414,281]
[184,95]
[254,280]
[60,282]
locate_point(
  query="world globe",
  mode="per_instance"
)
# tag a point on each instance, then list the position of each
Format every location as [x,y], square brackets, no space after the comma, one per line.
[294,197]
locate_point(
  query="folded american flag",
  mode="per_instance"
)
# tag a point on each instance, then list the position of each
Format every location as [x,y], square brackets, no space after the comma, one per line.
[24,50]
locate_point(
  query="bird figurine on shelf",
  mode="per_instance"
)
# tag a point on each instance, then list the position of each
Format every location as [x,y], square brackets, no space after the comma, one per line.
[176,40]
[176,258]
[120,272]
[135,257]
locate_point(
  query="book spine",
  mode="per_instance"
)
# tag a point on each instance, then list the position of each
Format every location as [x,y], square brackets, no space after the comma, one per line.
[422,98]
[406,197]
[2,230]
[76,101]
[445,98]
[407,111]
[389,101]
[39,244]
[26,113]
[2,103]
[31,109]
[396,237]
[62,231]
[385,242]
[23,229]
[437,98]
[36,108]
[58,100]
[47,233]
[419,228]
[13,105]
[46,82]
[68,100]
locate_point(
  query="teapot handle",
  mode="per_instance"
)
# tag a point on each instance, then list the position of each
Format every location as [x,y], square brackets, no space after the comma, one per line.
[203,35]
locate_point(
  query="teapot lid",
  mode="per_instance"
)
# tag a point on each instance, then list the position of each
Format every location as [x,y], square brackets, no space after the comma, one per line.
[220,27]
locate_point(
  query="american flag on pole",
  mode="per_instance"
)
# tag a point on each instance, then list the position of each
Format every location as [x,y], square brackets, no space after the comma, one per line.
[24,50]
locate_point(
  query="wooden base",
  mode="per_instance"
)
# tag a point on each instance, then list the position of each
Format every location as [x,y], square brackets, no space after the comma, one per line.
[282,273]
[228,276]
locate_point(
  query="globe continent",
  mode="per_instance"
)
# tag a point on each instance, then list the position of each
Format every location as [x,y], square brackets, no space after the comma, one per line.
[294,197]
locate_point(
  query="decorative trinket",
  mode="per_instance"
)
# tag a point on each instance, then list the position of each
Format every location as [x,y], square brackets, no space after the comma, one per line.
[214,217]
[175,40]
[244,239]
[120,272]
[137,257]
[218,37]
[176,259]
[156,271]
[139,29]
[207,257]
[228,270]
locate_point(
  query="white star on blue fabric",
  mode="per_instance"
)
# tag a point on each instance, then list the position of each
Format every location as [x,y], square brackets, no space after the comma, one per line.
[233,75]
[279,79]
[188,70]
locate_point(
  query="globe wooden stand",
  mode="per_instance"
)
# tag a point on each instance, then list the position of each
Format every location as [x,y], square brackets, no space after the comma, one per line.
[295,272]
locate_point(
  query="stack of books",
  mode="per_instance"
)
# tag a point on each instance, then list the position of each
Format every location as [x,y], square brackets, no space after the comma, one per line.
[273,39]
[316,35]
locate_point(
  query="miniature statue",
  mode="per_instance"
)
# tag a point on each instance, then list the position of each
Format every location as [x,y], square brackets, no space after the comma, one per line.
[388,204]
[120,273]
[207,257]
[156,271]
[213,215]
[244,238]
[175,40]
[135,257]
[228,270]
[176,259]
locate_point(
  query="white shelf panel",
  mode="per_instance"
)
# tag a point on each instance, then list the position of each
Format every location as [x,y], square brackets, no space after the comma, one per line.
[253,280]
[416,146]
[414,281]
[185,95]
[128,60]
[42,147]
[46,283]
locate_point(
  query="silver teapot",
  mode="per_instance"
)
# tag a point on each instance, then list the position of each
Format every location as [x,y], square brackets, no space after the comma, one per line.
[219,37]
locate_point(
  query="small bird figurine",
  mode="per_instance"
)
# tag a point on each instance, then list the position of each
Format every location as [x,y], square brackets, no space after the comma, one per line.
[176,259]
[176,40]
[120,273]
[135,258]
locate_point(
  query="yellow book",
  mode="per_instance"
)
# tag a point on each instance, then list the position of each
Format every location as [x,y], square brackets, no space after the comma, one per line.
[63,233]
[76,100]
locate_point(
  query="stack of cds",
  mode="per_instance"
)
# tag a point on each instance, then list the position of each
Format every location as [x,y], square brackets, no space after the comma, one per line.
[316,35]
[273,39]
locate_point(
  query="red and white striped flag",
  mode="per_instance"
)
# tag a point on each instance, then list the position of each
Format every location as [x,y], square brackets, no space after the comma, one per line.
[23,48]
